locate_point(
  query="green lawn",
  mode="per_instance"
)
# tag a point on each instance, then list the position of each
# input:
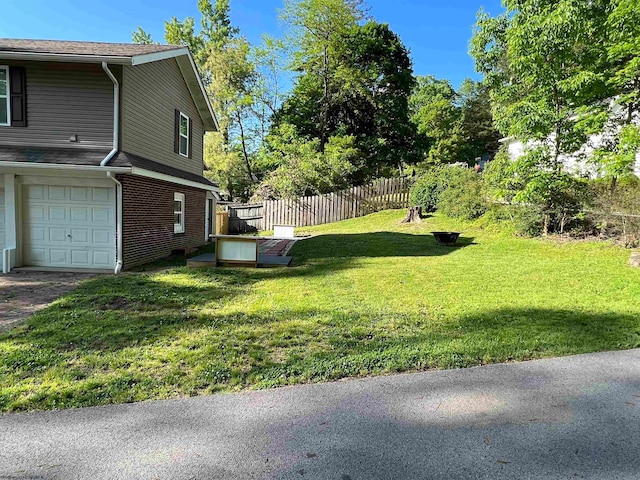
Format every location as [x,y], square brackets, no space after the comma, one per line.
[368,296]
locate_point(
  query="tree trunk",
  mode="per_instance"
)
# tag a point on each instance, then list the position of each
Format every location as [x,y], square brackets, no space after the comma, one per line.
[414,215]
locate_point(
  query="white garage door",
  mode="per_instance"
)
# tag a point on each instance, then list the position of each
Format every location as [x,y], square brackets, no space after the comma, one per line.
[68,226]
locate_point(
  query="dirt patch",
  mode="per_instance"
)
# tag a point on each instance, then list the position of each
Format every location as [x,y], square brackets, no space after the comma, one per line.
[24,293]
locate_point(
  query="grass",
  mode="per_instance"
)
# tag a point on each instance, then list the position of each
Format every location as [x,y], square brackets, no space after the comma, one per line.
[367,296]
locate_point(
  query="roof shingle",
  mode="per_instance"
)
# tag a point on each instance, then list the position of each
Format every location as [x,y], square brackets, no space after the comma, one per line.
[100,49]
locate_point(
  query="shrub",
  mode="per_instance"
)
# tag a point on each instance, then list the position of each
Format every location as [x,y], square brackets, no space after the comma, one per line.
[427,189]
[526,221]
[615,209]
[464,196]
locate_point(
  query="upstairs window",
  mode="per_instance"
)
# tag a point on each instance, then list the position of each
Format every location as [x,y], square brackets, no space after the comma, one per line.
[13,97]
[183,134]
[5,97]
[178,213]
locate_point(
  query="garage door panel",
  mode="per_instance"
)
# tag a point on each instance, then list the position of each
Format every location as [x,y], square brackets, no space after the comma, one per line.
[80,194]
[58,214]
[102,216]
[58,235]
[58,257]
[58,193]
[69,226]
[101,237]
[103,259]
[102,194]
[79,214]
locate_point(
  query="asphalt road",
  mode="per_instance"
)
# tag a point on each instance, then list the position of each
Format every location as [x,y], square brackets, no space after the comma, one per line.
[568,418]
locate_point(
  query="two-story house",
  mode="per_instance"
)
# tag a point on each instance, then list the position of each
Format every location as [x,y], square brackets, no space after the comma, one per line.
[101,154]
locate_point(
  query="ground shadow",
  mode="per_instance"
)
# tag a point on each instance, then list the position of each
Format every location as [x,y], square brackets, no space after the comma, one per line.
[375,244]
[238,348]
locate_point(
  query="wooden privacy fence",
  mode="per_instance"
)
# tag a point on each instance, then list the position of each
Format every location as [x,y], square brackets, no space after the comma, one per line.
[355,202]
[245,218]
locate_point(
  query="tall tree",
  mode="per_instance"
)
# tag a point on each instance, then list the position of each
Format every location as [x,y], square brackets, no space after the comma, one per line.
[371,86]
[435,112]
[479,135]
[536,57]
[616,156]
[317,29]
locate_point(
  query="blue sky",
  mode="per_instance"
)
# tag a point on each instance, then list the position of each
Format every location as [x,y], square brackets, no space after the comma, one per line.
[436,31]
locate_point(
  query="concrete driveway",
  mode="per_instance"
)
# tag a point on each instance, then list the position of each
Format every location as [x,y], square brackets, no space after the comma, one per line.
[23,293]
[568,418]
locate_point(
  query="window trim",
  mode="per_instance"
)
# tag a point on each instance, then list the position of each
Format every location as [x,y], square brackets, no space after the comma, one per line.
[180,135]
[179,227]
[8,95]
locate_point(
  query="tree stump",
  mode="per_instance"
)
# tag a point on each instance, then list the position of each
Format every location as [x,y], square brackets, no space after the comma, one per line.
[414,215]
[634,261]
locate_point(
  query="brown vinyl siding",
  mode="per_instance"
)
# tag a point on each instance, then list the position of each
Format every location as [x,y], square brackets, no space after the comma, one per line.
[151,94]
[64,99]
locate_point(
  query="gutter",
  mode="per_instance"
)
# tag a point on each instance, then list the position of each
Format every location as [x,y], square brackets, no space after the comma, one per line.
[107,159]
[116,115]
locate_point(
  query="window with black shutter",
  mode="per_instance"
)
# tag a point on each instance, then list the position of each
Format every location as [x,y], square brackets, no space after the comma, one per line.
[13,97]
[18,97]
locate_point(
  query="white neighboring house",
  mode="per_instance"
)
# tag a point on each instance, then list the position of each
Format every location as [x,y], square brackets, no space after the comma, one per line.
[577,163]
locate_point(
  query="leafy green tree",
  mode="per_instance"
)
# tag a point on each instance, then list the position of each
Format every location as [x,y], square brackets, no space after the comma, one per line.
[141,37]
[316,32]
[537,59]
[301,168]
[437,116]
[479,136]
[228,67]
[370,90]
[616,156]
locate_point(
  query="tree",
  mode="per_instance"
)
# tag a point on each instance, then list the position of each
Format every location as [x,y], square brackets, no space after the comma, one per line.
[479,136]
[226,62]
[301,168]
[616,156]
[437,116]
[370,87]
[538,59]
[317,29]
[141,37]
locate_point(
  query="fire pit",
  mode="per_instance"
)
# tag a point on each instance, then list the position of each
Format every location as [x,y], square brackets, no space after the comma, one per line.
[446,238]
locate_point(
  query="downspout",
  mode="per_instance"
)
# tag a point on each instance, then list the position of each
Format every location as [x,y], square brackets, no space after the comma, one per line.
[119,260]
[107,159]
[116,115]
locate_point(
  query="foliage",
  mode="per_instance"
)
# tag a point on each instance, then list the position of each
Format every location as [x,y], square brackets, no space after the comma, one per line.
[615,210]
[541,60]
[302,169]
[465,196]
[362,90]
[453,126]
[428,188]
[338,313]
[316,32]
[437,119]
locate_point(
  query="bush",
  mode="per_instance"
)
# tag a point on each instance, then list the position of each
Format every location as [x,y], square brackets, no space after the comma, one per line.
[526,221]
[464,196]
[615,209]
[427,189]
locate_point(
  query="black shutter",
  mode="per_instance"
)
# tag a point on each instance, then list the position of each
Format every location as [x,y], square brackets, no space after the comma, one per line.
[18,87]
[190,137]
[176,133]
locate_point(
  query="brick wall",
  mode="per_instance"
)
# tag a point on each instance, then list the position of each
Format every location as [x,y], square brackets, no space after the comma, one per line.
[148,219]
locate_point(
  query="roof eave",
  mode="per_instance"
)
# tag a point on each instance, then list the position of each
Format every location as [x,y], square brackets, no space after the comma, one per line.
[58,57]
[194,82]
